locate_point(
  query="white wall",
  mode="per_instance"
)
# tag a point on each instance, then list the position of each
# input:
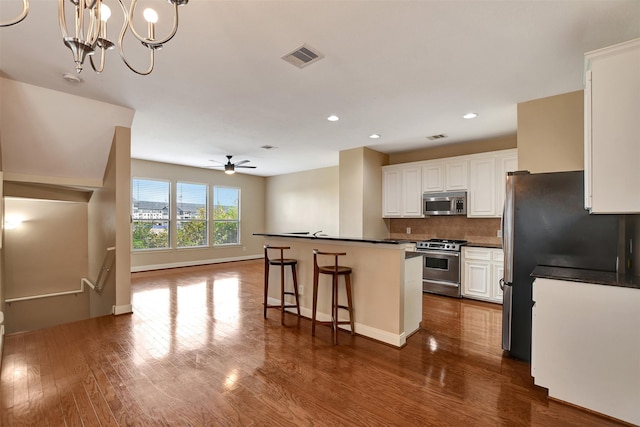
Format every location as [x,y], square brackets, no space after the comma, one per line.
[303,201]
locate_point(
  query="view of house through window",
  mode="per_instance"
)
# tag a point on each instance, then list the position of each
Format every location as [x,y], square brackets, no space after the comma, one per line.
[191,214]
[226,216]
[150,214]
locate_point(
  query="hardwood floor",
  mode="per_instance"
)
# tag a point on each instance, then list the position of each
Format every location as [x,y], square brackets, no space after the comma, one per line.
[197,351]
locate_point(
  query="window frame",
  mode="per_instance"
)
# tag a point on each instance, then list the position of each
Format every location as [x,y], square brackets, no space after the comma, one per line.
[206,220]
[168,219]
[214,220]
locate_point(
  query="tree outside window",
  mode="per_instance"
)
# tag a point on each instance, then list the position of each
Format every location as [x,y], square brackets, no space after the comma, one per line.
[191,215]
[150,214]
[226,216]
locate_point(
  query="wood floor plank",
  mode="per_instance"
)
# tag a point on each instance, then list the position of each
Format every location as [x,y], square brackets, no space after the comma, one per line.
[198,352]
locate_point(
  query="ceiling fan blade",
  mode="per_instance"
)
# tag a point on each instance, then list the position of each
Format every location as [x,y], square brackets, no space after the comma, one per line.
[215,161]
[248,167]
[241,162]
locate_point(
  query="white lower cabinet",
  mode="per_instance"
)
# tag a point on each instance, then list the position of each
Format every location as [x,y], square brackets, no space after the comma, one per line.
[585,345]
[482,270]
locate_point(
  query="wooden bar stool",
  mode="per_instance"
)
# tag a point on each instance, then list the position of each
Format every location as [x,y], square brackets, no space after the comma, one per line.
[335,271]
[282,262]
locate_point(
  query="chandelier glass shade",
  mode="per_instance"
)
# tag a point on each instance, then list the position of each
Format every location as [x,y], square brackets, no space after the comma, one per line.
[88,34]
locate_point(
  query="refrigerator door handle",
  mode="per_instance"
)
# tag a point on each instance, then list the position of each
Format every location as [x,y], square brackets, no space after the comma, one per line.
[506,314]
[507,228]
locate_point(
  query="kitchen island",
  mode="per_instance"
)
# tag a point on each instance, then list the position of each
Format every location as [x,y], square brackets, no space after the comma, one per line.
[386,281]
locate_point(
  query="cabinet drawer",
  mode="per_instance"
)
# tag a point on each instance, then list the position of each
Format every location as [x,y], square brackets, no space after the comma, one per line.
[477,253]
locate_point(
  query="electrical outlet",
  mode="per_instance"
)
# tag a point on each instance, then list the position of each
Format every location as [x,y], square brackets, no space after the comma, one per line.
[408,230]
[499,233]
[300,289]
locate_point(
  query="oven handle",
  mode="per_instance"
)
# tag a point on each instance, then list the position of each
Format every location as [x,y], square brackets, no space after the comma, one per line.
[440,282]
[444,253]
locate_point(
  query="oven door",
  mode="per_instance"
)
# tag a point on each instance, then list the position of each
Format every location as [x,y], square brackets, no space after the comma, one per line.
[441,266]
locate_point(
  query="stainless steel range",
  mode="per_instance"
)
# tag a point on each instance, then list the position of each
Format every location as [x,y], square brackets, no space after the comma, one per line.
[441,266]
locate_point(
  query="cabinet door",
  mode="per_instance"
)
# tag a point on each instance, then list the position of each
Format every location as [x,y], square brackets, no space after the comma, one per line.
[412,191]
[456,175]
[482,187]
[391,193]
[477,276]
[613,108]
[433,177]
[497,273]
[505,163]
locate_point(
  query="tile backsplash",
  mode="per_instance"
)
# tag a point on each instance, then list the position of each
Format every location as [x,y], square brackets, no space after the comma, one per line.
[475,230]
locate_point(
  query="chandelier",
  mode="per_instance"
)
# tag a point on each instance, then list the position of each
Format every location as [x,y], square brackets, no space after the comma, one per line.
[90,31]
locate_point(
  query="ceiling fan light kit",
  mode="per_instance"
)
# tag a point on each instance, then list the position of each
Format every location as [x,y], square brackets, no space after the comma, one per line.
[87,39]
[230,168]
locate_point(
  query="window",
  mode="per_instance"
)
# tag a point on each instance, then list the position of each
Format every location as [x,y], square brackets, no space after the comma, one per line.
[150,214]
[191,214]
[226,216]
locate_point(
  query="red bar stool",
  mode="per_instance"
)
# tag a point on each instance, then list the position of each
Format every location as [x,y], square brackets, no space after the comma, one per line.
[282,262]
[335,271]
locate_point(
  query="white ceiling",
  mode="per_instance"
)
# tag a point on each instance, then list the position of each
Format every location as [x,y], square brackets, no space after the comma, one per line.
[403,69]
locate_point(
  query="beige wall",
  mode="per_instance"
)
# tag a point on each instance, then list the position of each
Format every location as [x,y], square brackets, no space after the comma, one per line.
[551,133]
[47,253]
[441,151]
[102,235]
[303,201]
[360,190]
[122,143]
[252,215]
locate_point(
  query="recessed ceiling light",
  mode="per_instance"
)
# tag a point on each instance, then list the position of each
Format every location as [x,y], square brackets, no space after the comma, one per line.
[333,118]
[374,136]
[470,116]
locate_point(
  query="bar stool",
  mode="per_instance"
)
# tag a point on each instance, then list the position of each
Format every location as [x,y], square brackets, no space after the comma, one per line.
[335,271]
[282,262]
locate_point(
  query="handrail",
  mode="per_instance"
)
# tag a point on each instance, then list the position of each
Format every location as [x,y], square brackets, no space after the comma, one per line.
[53,294]
[107,262]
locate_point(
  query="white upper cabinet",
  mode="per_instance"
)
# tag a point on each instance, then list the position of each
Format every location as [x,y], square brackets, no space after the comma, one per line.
[505,163]
[456,175]
[402,191]
[487,182]
[482,187]
[612,129]
[433,177]
[482,175]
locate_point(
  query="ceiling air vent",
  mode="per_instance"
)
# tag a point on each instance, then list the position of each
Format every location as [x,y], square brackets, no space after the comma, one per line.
[303,56]
[434,137]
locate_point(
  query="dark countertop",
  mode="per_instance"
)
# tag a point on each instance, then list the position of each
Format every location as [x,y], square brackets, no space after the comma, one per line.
[310,236]
[484,245]
[587,276]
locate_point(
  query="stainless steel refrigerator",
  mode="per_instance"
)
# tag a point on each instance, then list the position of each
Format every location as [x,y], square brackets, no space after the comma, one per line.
[545,223]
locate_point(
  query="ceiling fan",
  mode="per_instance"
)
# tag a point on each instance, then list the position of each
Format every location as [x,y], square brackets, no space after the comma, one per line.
[230,168]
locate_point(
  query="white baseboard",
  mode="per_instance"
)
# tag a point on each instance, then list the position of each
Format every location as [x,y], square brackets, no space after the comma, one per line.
[122,309]
[192,263]
[396,340]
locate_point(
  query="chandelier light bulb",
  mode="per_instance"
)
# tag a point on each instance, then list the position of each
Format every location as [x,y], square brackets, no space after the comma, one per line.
[105,12]
[150,15]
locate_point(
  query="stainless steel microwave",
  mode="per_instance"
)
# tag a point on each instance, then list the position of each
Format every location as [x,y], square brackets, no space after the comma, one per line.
[451,203]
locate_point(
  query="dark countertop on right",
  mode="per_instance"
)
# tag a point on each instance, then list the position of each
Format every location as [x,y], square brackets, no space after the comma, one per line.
[587,276]
[484,245]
